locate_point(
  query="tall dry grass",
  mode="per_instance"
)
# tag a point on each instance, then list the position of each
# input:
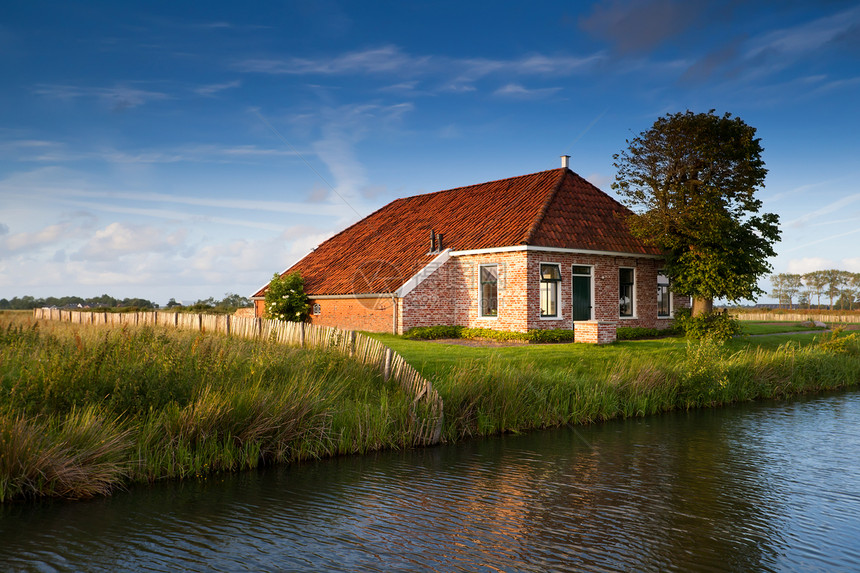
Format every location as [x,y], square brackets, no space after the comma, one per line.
[85,410]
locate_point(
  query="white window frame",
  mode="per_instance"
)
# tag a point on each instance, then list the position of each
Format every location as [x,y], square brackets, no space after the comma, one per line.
[558,312]
[481,314]
[671,298]
[635,306]
[591,288]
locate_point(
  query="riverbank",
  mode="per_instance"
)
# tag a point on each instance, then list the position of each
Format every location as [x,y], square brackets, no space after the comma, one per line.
[488,390]
[86,410]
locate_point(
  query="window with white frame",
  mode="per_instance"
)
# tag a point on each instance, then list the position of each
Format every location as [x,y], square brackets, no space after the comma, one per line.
[489,290]
[625,292]
[550,283]
[664,301]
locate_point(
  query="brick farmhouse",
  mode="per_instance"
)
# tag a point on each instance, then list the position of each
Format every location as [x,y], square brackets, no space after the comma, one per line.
[540,251]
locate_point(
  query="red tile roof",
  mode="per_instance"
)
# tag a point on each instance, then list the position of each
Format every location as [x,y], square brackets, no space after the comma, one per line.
[555,208]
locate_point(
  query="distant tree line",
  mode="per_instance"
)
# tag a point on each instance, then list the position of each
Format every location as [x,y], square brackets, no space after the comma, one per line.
[228,304]
[840,288]
[103,301]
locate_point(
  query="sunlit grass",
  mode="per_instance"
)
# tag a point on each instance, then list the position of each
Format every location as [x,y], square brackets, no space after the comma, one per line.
[84,409]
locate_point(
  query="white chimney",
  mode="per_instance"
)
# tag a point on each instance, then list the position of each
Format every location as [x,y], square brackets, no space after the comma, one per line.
[565,161]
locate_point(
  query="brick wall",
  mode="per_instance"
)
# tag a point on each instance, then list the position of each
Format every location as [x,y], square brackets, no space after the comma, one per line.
[451,295]
[348,313]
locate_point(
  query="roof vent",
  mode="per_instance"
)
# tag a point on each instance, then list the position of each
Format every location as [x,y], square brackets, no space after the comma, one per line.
[565,161]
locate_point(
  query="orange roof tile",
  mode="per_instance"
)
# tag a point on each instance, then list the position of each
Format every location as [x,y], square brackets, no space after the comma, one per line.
[555,208]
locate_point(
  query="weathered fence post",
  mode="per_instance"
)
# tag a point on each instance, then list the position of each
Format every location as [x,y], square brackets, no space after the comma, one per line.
[386,368]
[301,335]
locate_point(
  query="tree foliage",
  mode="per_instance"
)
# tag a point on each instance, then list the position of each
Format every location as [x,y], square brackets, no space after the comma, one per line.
[286,298]
[690,181]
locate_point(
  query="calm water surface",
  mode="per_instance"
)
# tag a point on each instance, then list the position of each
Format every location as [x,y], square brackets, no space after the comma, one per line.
[762,487]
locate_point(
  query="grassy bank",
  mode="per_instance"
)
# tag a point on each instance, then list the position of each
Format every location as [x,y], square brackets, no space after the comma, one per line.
[497,389]
[84,410]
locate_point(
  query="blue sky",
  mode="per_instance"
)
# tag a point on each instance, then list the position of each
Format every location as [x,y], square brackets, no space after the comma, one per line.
[168,150]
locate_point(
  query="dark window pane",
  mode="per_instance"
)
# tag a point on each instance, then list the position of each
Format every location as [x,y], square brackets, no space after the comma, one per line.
[489,290]
[550,273]
[579,270]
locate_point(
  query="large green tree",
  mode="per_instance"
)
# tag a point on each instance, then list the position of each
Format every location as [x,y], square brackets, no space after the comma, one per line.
[690,181]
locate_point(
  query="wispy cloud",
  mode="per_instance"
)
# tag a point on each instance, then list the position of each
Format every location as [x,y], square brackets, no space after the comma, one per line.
[826,210]
[117,98]
[517,91]
[386,59]
[391,60]
[60,152]
[212,89]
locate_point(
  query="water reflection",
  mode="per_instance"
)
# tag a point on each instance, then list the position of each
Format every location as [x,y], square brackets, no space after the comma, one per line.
[760,487]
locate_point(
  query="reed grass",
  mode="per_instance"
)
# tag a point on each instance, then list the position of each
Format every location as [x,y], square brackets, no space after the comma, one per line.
[84,411]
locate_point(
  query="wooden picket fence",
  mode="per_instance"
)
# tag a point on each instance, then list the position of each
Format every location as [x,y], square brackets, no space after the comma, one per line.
[797,316]
[427,406]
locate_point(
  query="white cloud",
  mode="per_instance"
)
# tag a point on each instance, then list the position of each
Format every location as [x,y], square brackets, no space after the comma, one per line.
[517,91]
[18,242]
[809,264]
[852,265]
[119,239]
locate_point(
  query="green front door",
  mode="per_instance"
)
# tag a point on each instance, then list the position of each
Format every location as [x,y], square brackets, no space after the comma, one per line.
[581,293]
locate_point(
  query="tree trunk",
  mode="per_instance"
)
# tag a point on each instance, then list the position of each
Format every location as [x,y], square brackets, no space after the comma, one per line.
[702,305]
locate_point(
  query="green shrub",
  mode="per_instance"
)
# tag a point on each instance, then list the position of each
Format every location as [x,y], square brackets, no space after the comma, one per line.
[433,332]
[286,298]
[553,335]
[638,333]
[716,326]
[445,331]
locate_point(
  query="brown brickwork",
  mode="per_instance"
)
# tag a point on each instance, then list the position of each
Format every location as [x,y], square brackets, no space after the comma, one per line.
[451,295]
[350,313]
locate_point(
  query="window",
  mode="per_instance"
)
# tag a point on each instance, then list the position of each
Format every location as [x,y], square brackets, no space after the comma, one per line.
[664,307]
[489,290]
[317,309]
[550,279]
[625,297]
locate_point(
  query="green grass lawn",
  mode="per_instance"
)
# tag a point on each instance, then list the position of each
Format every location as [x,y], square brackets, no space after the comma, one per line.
[755,327]
[435,360]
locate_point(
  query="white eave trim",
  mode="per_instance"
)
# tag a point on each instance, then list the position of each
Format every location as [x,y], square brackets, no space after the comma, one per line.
[518,248]
[423,274]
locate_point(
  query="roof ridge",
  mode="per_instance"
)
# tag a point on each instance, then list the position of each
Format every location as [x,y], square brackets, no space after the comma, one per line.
[478,184]
[545,207]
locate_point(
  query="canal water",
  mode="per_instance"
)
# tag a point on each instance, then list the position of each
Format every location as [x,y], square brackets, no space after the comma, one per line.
[760,487]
